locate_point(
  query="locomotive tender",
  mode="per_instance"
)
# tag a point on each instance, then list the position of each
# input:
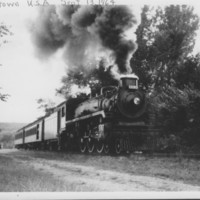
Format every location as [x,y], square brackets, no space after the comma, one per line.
[110,121]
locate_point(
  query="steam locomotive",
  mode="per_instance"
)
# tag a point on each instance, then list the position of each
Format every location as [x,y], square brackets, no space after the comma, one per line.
[113,120]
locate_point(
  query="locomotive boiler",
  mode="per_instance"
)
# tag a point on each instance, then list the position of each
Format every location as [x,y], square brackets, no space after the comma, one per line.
[124,100]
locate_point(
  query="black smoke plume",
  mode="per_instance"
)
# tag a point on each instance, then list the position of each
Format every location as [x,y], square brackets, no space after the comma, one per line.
[86,34]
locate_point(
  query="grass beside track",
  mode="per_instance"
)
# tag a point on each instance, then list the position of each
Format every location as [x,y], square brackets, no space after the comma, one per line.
[17,177]
[177,168]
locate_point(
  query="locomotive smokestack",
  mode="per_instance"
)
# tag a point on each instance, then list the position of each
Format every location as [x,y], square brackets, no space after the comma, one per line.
[86,34]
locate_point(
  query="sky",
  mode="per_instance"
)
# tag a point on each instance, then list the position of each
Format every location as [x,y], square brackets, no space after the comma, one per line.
[23,75]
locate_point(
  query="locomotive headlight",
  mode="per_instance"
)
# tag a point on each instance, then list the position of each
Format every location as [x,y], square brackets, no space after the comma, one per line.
[136,101]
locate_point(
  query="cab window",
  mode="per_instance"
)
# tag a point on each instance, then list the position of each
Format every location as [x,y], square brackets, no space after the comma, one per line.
[130,83]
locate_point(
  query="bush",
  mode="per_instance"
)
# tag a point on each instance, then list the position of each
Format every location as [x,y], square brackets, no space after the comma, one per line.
[7,140]
[178,111]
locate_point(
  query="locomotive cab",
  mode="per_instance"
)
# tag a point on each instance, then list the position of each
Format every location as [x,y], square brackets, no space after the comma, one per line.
[129,82]
[130,101]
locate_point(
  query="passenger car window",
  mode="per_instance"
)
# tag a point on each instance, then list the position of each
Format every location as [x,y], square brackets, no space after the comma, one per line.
[37,133]
[63,111]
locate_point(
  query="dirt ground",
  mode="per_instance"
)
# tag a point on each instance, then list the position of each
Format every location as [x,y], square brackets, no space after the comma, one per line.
[85,172]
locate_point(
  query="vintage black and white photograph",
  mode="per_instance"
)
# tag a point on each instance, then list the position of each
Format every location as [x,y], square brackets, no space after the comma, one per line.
[99,96]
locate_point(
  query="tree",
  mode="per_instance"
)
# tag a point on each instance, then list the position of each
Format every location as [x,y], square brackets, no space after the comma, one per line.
[47,105]
[188,74]
[3,97]
[165,66]
[3,32]
[97,78]
[165,38]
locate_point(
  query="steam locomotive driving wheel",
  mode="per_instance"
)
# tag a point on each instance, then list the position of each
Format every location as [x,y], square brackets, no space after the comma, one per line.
[100,146]
[118,148]
[83,145]
[106,148]
[90,145]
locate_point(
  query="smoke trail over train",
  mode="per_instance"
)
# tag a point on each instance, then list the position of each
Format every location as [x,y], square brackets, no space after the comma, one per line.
[86,34]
